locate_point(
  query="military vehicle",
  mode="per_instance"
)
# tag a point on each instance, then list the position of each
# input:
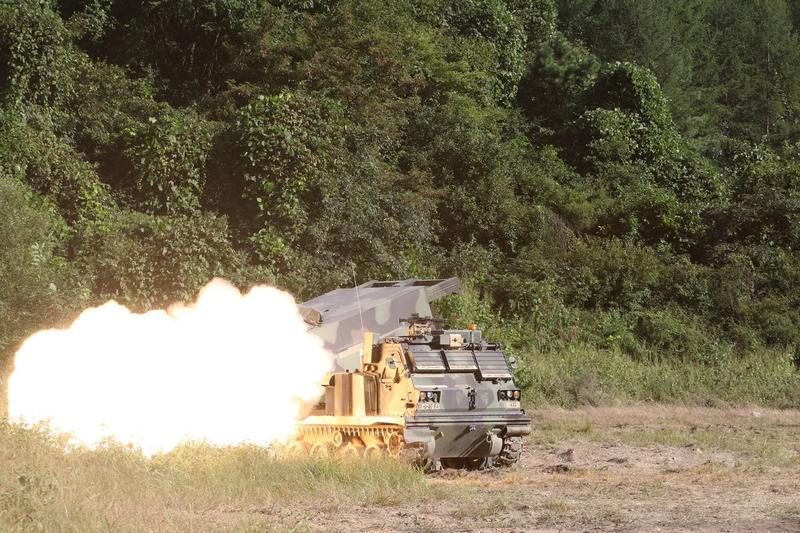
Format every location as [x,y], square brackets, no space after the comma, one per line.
[407,387]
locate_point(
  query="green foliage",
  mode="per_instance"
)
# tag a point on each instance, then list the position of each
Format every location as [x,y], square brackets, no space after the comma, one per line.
[146,261]
[612,273]
[287,144]
[537,17]
[617,178]
[765,199]
[758,57]
[659,191]
[167,157]
[109,106]
[559,73]
[35,62]
[194,46]
[779,321]
[674,334]
[730,70]
[36,283]
[633,89]
[492,21]
[584,375]
[627,120]
[665,37]
[51,167]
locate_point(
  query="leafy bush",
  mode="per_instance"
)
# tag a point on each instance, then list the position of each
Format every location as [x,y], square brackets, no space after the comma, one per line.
[37,284]
[35,58]
[147,261]
[493,22]
[560,72]
[167,157]
[51,167]
[287,142]
[673,334]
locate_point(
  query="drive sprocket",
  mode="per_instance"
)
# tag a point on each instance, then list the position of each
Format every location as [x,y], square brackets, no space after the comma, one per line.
[510,452]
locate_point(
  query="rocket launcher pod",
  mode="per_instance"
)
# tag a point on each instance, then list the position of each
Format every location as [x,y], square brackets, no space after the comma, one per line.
[405,386]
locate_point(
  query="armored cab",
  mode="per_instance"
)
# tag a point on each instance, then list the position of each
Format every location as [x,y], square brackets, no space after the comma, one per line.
[407,386]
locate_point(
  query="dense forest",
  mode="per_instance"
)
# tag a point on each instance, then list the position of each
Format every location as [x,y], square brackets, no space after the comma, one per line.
[616,182]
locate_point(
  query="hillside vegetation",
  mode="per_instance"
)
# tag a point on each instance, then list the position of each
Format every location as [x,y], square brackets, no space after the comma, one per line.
[616,182]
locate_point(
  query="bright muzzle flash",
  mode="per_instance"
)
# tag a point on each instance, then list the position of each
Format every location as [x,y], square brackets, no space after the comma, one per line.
[226,370]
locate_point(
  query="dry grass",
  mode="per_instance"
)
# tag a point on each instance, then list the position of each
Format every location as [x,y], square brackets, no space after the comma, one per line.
[619,468]
[192,488]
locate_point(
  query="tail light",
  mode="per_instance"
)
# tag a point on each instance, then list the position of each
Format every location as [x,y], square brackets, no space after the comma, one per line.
[509,395]
[429,396]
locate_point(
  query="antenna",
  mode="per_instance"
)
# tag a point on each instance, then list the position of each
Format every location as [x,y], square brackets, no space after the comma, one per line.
[358,299]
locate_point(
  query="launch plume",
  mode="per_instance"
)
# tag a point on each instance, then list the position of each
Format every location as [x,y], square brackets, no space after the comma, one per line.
[228,369]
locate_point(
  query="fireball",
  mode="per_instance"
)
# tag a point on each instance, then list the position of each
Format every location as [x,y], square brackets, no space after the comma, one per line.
[231,368]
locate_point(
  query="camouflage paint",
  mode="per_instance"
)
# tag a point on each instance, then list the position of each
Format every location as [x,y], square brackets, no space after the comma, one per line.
[469,420]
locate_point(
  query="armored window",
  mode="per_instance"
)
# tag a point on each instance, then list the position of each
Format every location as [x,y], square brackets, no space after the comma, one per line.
[460,361]
[426,361]
[492,365]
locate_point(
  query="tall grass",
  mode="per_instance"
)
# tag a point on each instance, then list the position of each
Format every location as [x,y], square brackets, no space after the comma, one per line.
[195,487]
[584,375]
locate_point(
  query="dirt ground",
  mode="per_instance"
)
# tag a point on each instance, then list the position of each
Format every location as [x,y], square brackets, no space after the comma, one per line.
[651,468]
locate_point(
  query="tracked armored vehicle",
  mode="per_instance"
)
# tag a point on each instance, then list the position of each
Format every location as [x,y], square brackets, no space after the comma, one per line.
[406,386]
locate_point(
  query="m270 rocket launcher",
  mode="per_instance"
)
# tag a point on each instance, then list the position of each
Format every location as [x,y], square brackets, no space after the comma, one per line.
[406,386]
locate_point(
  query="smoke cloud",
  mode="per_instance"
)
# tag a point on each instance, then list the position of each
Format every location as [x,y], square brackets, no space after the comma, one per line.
[228,369]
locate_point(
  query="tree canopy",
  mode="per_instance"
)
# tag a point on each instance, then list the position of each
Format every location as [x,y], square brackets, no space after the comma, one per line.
[625,165]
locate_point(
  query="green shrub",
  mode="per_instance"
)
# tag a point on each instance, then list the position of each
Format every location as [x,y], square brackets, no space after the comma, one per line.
[584,375]
[36,59]
[36,281]
[147,261]
[167,156]
[31,151]
[674,334]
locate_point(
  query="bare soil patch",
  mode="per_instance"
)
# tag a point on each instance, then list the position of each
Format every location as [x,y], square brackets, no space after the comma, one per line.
[650,468]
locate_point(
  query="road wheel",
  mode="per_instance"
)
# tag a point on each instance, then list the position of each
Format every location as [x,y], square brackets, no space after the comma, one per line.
[296,448]
[337,439]
[373,451]
[395,445]
[320,449]
[511,451]
[350,450]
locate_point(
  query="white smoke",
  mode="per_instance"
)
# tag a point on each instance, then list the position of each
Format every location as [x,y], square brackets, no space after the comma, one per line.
[229,369]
